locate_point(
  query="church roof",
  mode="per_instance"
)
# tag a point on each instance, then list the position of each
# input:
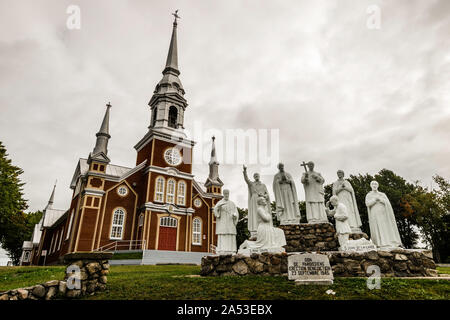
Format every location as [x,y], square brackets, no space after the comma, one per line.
[36,237]
[27,245]
[51,216]
[111,169]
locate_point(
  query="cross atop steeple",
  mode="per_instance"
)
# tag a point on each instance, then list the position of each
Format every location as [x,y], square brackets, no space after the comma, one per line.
[175,14]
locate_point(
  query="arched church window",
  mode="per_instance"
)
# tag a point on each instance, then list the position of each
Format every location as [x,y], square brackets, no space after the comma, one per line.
[155,114]
[181,193]
[117,224]
[170,194]
[196,231]
[173,116]
[159,189]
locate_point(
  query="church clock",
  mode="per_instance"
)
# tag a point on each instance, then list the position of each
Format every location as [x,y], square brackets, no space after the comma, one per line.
[173,156]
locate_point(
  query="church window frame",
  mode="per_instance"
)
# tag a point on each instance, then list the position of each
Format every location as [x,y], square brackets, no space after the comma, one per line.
[60,238]
[181,192]
[197,202]
[172,118]
[168,221]
[160,184]
[170,191]
[197,231]
[26,256]
[122,191]
[118,224]
[69,229]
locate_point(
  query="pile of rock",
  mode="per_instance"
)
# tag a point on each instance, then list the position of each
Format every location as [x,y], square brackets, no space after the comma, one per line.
[90,268]
[396,263]
[238,264]
[310,237]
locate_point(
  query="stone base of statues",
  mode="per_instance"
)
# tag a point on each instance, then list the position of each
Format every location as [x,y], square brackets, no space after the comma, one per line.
[396,263]
[225,252]
[310,237]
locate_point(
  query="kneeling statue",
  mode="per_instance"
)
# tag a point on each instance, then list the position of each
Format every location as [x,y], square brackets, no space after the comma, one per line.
[268,238]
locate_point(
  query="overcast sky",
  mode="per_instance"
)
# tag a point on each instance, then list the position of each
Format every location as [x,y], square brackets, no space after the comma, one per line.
[341,94]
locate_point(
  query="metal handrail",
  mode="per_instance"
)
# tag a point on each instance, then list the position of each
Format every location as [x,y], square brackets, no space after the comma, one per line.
[128,244]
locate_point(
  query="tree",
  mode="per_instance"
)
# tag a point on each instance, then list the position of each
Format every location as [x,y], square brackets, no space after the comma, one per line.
[14,228]
[433,216]
[19,228]
[241,227]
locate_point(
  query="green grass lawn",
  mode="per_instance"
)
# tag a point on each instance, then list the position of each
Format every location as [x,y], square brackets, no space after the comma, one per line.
[443,270]
[181,282]
[19,277]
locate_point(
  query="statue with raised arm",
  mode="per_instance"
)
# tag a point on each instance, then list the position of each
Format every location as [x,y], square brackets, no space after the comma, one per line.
[383,227]
[314,194]
[255,189]
[227,216]
[344,191]
[286,199]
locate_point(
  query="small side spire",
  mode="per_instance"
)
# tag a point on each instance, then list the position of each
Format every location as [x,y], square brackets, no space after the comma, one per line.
[213,183]
[213,153]
[52,197]
[103,136]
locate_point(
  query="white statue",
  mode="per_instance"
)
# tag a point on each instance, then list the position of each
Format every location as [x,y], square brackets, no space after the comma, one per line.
[343,229]
[268,238]
[227,216]
[286,199]
[383,227]
[340,214]
[314,195]
[344,190]
[255,189]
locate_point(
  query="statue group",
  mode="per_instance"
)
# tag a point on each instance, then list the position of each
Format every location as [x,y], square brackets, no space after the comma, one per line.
[264,237]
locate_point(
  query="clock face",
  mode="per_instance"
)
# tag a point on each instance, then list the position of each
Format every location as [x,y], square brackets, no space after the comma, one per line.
[173,156]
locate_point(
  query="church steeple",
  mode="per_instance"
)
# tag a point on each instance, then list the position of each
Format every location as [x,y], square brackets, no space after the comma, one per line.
[100,151]
[52,198]
[213,184]
[172,55]
[168,103]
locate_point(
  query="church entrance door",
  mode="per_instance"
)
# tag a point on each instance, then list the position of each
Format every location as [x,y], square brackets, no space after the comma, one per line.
[167,233]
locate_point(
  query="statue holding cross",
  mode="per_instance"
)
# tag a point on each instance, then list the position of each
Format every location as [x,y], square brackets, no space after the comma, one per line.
[314,194]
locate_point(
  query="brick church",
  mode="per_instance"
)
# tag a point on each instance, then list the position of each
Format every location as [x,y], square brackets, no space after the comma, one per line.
[156,206]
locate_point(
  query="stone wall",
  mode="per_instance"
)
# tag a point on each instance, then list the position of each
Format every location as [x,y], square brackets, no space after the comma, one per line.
[310,237]
[397,263]
[93,267]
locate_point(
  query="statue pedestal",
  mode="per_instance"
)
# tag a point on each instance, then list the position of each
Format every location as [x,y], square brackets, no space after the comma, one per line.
[396,263]
[310,237]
